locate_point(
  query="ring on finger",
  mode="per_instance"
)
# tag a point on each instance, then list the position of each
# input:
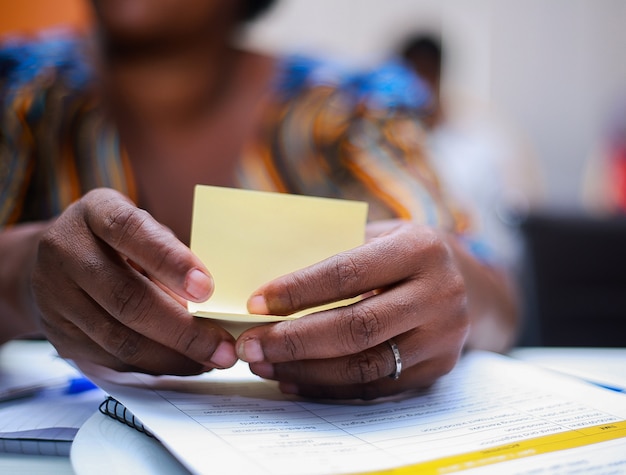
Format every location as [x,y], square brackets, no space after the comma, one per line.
[396,358]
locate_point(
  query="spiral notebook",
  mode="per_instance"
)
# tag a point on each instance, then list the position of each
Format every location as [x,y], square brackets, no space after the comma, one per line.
[115,410]
[43,400]
[46,424]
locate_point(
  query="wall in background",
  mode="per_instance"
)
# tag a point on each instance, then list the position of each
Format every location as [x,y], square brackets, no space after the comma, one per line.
[560,67]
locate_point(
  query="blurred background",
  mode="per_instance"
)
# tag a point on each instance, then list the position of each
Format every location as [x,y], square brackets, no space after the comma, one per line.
[550,75]
[554,70]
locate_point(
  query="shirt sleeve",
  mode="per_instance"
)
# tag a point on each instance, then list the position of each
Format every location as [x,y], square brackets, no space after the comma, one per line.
[16,138]
[39,79]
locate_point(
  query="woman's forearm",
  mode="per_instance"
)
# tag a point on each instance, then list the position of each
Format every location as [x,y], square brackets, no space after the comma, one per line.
[492,303]
[18,251]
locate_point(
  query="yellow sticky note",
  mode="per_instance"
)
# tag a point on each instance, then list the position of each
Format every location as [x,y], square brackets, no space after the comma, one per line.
[247,238]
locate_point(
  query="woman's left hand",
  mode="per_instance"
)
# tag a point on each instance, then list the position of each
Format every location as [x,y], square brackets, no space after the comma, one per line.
[414,296]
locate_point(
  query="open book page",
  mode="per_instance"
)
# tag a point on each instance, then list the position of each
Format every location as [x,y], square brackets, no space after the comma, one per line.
[488,410]
[247,238]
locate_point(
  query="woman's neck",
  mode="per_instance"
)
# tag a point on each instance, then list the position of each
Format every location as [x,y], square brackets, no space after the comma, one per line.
[168,87]
[183,118]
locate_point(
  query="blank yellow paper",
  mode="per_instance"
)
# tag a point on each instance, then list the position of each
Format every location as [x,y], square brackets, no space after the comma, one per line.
[247,238]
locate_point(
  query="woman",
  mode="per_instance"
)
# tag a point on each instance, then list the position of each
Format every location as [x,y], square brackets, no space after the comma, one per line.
[101,164]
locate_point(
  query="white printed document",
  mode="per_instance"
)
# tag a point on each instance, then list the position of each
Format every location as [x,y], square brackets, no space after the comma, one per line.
[488,411]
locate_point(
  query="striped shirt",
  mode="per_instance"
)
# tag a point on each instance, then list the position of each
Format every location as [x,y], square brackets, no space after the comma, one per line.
[329,132]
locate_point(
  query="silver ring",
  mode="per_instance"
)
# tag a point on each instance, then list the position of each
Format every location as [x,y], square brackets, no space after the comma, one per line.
[396,358]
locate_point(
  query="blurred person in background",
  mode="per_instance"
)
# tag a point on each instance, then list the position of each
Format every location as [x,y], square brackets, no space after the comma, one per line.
[103,139]
[483,166]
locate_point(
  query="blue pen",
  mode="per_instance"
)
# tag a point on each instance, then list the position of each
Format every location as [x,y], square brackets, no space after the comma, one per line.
[611,388]
[79,385]
[75,385]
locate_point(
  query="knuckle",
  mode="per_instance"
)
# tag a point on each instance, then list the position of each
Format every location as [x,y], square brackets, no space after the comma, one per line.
[51,244]
[124,223]
[48,242]
[449,285]
[292,295]
[348,272]
[434,246]
[131,303]
[187,341]
[93,266]
[38,284]
[167,255]
[457,294]
[361,329]
[293,343]
[365,367]
[51,260]
[125,345]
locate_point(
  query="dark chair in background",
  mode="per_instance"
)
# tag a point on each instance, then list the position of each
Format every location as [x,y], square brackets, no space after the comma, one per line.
[574,280]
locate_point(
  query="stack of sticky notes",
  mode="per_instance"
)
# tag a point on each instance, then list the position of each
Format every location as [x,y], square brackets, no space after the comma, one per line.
[247,238]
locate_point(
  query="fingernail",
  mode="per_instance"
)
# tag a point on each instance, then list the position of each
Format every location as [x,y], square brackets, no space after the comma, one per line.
[250,350]
[224,355]
[263,369]
[257,304]
[198,284]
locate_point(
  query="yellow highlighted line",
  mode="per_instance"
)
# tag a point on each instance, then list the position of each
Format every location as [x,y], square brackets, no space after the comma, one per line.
[515,450]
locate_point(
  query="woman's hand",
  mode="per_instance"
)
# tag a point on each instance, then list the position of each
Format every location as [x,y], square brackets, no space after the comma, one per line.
[414,295]
[110,283]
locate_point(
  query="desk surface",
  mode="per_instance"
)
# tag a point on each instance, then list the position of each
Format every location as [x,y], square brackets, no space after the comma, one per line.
[604,366]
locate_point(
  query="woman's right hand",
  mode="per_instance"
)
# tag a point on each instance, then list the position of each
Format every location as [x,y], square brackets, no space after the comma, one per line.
[110,283]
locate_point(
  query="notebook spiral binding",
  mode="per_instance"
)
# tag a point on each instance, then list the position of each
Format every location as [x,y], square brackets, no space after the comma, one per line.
[114,409]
